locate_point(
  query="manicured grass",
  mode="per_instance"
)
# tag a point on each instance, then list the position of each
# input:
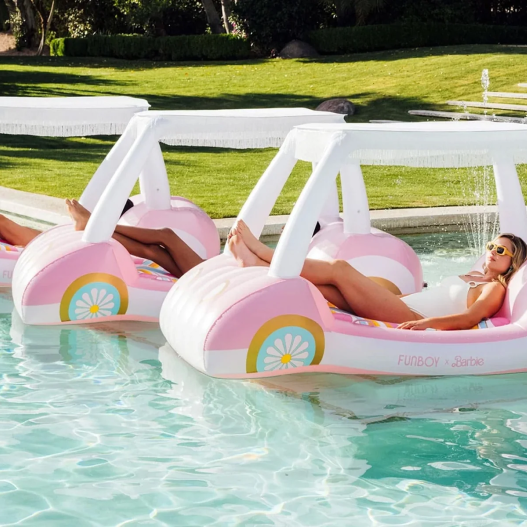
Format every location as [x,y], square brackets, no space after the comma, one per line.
[383,85]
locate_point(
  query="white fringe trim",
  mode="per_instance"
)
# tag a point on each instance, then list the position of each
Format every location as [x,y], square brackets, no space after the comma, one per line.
[235,140]
[63,130]
[431,158]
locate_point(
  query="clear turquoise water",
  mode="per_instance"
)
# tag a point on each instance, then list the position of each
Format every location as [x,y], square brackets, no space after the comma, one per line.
[107,426]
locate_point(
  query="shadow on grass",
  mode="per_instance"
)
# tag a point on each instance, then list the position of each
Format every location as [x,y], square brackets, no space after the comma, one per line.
[229,101]
[386,107]
[61,149]
[416,53]
[41,83]
[397,54]
[120,64]
[378,107]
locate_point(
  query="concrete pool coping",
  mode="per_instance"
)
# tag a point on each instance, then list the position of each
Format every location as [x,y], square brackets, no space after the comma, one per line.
[40,211]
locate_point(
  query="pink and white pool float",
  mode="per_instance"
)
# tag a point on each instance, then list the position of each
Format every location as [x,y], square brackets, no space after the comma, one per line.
[64,276]
[234,322]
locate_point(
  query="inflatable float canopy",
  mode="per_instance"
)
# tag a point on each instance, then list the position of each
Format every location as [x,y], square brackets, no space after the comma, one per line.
[67,276]
[229,321]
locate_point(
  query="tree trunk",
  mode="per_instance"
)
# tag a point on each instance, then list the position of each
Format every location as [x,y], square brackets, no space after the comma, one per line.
[226,14]
[45,28]
[212,17]
[39,10]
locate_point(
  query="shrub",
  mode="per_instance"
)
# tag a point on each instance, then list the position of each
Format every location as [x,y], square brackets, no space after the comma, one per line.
[359,39]
[189,47]
[56,47]
[202,47]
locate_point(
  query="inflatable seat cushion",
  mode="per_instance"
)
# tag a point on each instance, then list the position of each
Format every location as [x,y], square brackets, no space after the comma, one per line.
[152,270]
[345,316]
[7,247]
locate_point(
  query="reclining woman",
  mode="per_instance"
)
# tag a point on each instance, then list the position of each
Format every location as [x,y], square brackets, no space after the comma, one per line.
[460,302]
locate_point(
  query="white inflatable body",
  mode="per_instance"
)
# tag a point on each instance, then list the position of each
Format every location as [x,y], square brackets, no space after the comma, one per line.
[229,321]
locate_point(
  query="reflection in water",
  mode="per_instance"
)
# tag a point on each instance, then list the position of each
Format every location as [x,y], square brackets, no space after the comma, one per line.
[106,424]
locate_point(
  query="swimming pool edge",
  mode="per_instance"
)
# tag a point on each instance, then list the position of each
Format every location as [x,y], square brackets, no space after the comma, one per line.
[39,209]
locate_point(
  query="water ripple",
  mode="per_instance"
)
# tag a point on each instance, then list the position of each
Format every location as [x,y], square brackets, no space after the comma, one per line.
[107,426]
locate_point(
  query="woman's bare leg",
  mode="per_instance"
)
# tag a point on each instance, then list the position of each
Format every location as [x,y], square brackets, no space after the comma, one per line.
[264,256]
[183,255]
[253,243]
[365,297]
[162,246]
[156,253]
[244,256]
[16,234]
[333,295]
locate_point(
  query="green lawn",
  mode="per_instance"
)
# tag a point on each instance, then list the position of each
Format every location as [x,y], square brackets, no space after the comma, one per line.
[383,85]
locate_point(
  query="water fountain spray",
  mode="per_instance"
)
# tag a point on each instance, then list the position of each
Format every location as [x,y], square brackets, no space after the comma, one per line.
[485,83]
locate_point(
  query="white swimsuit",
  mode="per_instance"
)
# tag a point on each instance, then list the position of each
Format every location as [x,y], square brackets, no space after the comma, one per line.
[449,298]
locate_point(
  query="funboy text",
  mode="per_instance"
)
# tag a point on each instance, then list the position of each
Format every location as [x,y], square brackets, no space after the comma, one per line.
[417,360]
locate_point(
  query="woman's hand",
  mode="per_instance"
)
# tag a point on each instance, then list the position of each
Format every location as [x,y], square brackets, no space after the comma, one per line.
[417,325]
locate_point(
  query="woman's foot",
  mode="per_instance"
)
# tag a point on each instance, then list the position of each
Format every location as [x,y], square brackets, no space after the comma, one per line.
[78,213]
[244,256]
[253,243]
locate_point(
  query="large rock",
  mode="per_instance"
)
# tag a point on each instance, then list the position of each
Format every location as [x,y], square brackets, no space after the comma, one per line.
[339,105]
[296,49]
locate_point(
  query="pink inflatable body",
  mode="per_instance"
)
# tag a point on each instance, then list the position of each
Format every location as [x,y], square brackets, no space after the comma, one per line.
[65,279]
[235,322]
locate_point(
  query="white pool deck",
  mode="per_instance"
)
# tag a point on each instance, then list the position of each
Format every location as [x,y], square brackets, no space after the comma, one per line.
[41,212]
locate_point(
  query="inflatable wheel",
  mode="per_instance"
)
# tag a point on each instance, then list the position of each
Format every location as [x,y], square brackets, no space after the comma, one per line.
[94,295]
[284,343]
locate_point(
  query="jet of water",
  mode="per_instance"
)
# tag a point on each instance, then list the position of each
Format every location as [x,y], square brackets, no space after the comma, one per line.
[485,83]
[477,188]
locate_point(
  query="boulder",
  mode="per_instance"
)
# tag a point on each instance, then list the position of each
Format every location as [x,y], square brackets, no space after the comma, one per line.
[296,49]
[339,105]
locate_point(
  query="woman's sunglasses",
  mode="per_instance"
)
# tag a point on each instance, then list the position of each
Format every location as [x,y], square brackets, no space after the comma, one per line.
[500,249]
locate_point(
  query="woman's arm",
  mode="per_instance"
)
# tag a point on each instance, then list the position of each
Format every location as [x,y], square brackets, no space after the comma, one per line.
[488,304]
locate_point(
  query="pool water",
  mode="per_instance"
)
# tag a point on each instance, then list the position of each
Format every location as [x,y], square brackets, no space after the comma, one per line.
[105,425]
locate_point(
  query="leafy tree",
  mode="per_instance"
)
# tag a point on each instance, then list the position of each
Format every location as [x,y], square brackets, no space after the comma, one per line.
[22,22]
[80,18]
[163,17]
[272,23]
[184,17]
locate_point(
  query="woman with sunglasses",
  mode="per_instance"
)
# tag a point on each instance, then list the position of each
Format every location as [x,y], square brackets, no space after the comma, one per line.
[459,302]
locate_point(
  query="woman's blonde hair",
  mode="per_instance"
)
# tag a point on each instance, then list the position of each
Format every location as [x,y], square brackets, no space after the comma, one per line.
[520,255]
